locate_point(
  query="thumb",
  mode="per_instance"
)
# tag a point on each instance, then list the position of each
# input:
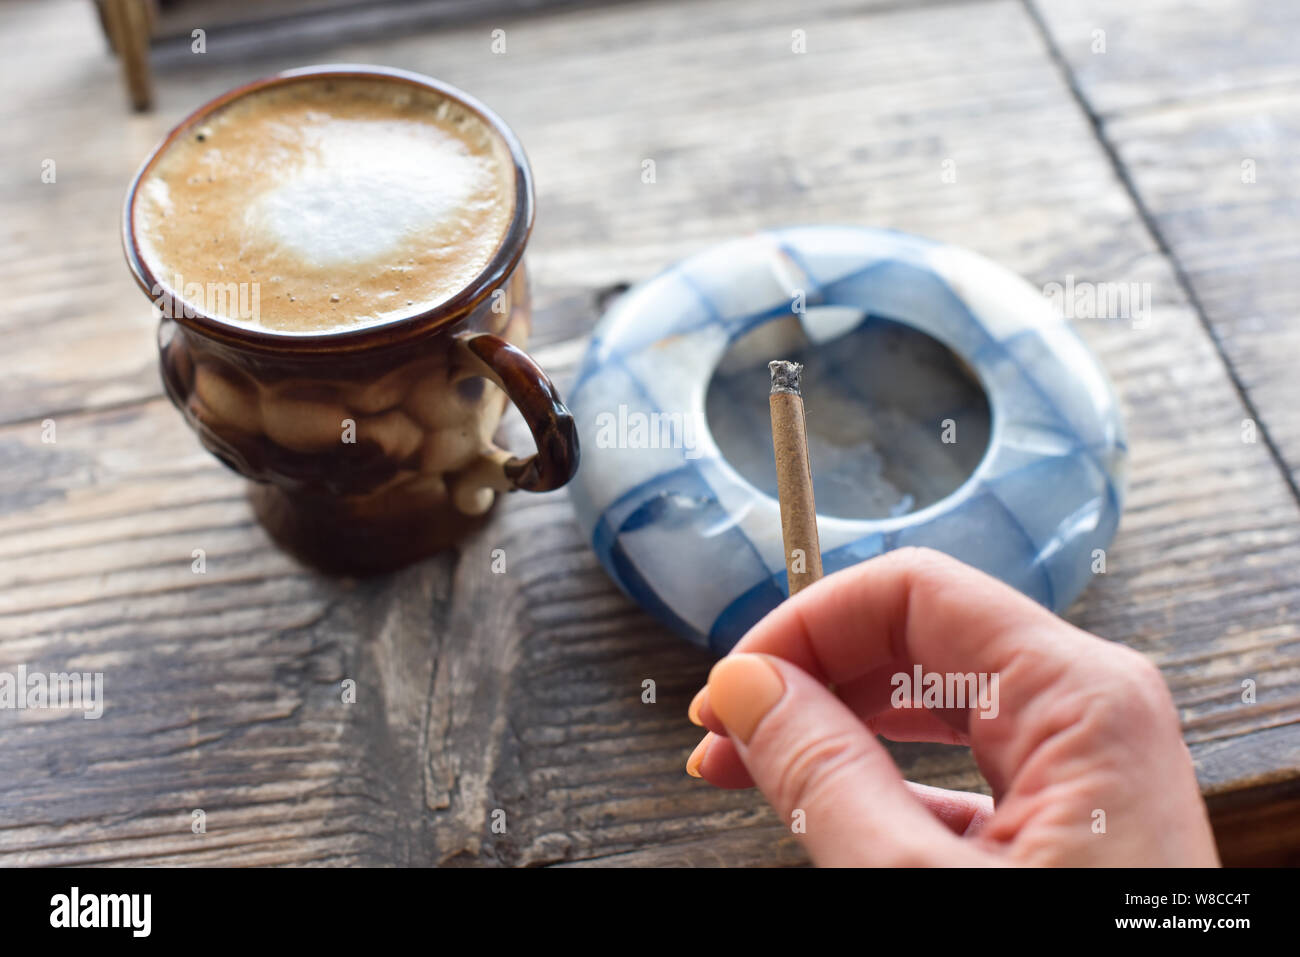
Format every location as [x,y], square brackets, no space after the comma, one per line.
[822,770]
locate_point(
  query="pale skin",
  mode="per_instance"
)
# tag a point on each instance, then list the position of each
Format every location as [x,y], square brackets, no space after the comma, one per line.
[1086,735]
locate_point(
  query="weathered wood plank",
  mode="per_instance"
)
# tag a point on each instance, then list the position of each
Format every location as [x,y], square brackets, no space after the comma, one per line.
[1166,51]
[1213,167]
[521,692]
[772,846]
[1218,180]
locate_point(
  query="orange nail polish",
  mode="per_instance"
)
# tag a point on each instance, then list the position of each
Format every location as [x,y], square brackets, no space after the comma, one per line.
[742,689]
[697,756]
[693,712]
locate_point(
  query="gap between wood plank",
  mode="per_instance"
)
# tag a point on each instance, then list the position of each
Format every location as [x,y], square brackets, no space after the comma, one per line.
[1162,244]
[1208,99]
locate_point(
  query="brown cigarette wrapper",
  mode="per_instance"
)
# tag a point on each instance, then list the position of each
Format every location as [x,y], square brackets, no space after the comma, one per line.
[803,556]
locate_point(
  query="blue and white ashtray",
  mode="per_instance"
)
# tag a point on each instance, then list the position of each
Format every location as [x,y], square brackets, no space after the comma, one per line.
[947,403]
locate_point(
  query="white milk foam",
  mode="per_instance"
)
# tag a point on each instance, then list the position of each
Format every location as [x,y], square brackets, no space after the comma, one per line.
[365,192]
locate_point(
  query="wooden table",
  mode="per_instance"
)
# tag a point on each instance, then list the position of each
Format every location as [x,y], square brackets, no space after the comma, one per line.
[522,693]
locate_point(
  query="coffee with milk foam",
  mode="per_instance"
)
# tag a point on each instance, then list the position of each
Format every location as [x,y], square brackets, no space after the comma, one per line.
[342,202]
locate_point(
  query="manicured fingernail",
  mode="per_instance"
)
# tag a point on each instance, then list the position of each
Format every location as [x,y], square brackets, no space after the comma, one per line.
[697,756]
[693,712]
[742,689]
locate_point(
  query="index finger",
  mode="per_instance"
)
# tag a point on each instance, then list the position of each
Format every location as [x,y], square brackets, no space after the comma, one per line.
[907,606]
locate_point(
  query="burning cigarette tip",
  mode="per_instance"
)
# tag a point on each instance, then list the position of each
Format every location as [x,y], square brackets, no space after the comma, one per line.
[785,376]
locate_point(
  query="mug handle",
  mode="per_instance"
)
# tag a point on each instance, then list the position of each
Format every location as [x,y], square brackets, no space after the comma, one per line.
[550,421]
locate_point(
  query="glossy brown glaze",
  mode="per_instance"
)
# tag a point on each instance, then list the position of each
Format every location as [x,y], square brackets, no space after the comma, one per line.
[373,447]
[550,421]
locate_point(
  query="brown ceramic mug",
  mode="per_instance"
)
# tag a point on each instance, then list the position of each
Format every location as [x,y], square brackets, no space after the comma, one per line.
[371,446]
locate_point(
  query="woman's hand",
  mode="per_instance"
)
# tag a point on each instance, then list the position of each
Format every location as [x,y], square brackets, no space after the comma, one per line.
[1078,738]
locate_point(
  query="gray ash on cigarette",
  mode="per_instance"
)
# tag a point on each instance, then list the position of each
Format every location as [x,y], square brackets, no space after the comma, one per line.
[785,376]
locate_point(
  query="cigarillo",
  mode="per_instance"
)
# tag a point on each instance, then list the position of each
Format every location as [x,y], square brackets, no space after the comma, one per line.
[803,555]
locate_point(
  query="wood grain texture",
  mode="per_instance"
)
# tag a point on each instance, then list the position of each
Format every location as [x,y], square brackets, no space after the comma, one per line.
[1224,198]
[1215,175]
[521,692]
[1167,51]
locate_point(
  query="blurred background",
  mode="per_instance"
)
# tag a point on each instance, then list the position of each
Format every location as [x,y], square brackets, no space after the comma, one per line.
[1098,141]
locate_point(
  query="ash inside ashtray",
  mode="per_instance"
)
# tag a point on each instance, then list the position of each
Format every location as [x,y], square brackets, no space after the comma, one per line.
[895,420]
